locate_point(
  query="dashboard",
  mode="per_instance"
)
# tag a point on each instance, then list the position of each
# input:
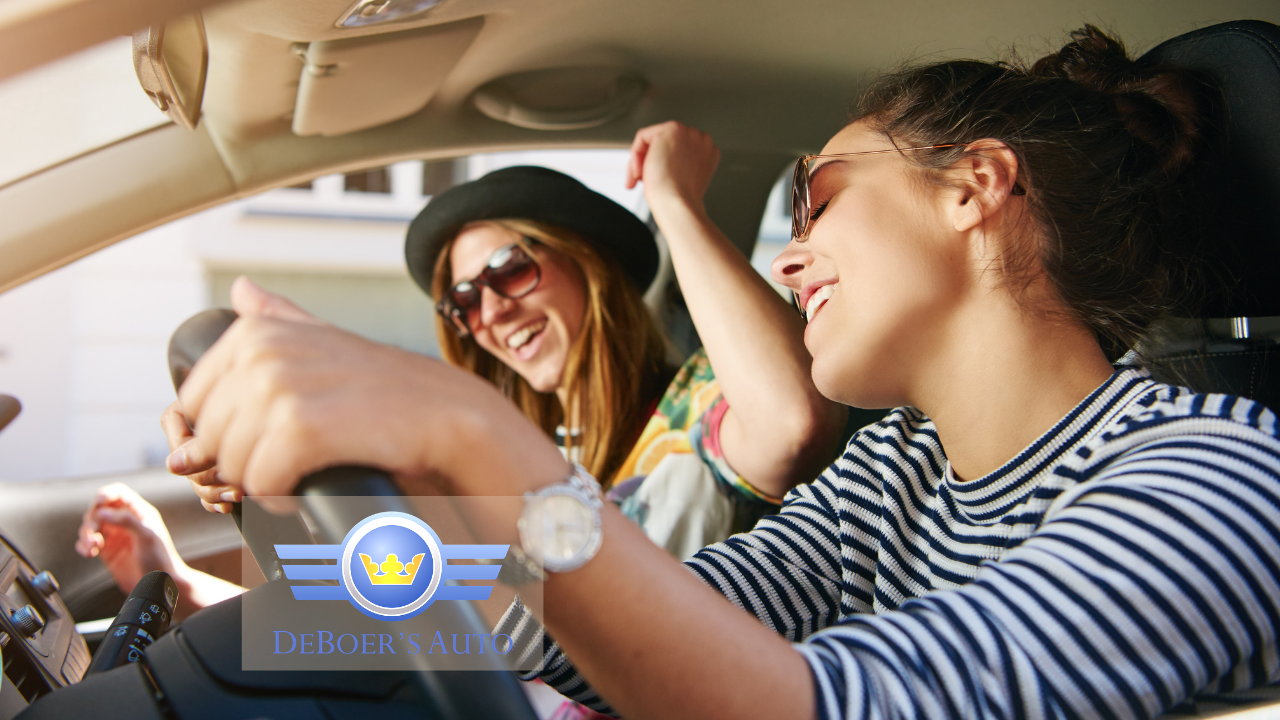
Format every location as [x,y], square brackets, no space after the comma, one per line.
[39,645]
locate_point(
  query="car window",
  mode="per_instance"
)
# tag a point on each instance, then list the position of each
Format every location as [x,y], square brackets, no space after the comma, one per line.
[775,231]
[72,106]
[84,347]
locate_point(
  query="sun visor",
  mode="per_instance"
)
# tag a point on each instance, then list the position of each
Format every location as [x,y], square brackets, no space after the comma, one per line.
[359,83]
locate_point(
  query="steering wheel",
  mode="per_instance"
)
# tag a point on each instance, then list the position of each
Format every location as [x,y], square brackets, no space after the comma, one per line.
[494,692]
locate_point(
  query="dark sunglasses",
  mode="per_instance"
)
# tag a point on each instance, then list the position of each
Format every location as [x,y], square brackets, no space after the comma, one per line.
[800,208]
[510,272]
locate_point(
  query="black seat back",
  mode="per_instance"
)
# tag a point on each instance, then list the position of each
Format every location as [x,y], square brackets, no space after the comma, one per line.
[1242,295]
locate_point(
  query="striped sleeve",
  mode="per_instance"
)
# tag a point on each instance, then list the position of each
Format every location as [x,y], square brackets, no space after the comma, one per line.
[1153,582]
[787,570]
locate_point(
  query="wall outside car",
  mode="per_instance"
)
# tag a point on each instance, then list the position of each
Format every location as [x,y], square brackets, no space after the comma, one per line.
[84,347]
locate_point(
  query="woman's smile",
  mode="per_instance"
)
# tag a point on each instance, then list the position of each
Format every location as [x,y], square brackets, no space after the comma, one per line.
[818,298]
[527,339]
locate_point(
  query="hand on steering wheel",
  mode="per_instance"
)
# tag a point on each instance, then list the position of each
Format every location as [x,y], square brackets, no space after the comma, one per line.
[186,457]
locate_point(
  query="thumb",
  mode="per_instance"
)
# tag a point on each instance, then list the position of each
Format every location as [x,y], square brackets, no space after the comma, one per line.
[247,298]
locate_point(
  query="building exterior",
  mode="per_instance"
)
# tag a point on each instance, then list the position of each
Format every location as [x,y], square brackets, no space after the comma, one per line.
[84,347]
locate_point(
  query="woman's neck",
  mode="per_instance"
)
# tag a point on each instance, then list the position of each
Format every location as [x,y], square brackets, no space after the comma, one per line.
[1005,379]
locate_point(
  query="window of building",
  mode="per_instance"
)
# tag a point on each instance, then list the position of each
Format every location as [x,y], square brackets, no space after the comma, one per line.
[440,175]
[373,180]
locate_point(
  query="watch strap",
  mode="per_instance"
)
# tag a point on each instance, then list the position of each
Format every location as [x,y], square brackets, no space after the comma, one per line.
[520,569]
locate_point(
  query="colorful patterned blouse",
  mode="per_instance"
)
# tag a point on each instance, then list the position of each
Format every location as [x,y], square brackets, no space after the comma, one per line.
[687,420]
[676,483]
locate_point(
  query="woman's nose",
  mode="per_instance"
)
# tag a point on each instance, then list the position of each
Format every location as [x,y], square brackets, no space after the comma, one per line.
[788,267]
[493,306]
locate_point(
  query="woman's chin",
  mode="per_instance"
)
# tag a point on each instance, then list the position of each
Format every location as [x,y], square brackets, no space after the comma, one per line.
[827,381]
[543,377]
[857,388]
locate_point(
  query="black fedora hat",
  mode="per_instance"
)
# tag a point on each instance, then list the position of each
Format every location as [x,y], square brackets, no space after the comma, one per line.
[532,193]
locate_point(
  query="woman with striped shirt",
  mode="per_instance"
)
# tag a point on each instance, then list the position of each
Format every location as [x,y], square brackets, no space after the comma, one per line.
[1033,533]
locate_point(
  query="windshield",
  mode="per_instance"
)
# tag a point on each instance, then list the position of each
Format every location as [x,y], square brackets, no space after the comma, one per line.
[72,106]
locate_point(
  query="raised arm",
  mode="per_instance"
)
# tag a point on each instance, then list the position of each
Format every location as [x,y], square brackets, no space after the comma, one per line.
[779,430]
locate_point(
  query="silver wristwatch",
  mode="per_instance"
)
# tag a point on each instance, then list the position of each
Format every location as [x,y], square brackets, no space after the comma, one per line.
[559,529]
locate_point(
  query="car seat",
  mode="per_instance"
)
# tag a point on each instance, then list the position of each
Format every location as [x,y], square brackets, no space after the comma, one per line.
[1233,349]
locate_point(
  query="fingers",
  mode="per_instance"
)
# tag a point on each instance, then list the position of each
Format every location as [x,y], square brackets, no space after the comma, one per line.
[214,495]
[190,457]
[115,493]
[247,298]
[89,541]
[273,400]
[122,516]
[174,424]
[673,160]
[216,364]
[185,456]
[635,163]
[114,504]
[89,538]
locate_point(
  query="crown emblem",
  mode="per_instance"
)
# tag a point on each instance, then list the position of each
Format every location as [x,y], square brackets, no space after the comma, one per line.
[393,572]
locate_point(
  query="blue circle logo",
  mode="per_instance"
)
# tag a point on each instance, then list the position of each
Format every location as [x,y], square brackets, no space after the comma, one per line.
[391,565]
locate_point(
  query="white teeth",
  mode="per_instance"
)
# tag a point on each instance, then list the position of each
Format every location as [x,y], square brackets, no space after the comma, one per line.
[521,336]
[817,299]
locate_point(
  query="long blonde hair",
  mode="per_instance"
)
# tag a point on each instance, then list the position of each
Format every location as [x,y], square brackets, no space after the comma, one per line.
[614,370]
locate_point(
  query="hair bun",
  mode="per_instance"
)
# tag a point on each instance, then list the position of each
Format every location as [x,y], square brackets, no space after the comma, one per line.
[1093,59]
[1160,106]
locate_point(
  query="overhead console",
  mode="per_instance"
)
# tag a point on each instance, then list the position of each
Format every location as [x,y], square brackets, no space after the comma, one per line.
[567,98]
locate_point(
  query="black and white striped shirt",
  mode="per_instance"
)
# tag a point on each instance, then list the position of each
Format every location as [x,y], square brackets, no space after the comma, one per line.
[1125,562]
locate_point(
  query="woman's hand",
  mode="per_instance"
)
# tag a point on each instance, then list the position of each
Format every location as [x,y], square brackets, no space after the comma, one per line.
[127,534]
[674,161]
[214,495]
[186,458]
[276,399]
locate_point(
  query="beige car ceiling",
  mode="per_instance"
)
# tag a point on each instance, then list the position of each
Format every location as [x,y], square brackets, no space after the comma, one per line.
[290,96]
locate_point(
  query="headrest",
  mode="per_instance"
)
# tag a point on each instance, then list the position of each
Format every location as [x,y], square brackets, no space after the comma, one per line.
[1243,57]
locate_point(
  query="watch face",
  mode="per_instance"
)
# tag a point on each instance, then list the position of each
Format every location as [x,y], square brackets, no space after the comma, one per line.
[560,526]
[567,527]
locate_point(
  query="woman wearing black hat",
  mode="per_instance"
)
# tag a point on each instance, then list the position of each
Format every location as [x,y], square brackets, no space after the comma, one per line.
[538,282]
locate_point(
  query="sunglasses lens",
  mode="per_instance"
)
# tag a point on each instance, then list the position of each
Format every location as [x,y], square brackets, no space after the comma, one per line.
[800,200]
[513,274]
[464,303]
[454,315]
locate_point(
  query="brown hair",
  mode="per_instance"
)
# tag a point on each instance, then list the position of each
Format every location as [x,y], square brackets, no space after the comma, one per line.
[1105,149]
[615,368]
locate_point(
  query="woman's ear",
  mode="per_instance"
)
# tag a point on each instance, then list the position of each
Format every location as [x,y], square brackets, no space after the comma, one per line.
[987,176]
